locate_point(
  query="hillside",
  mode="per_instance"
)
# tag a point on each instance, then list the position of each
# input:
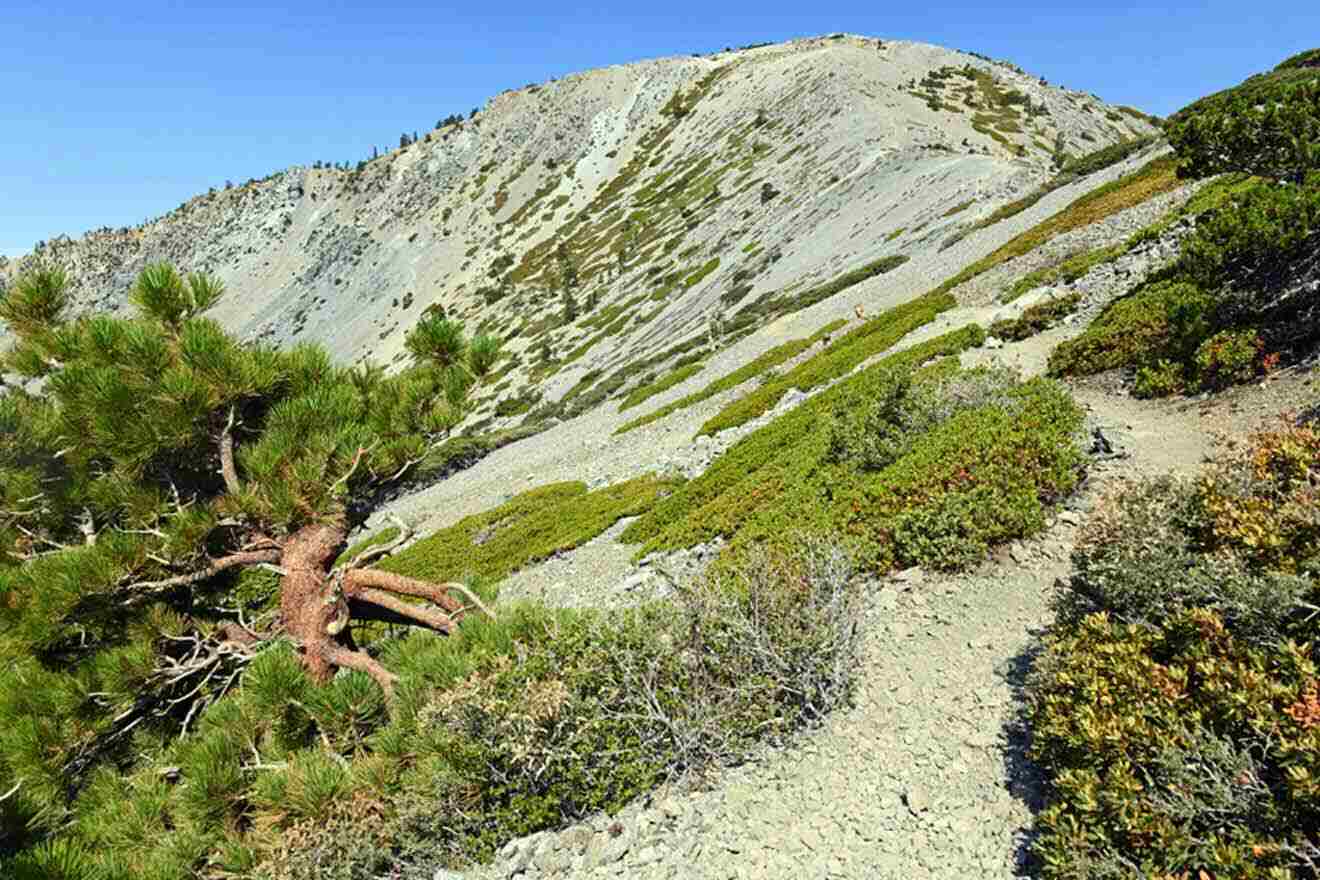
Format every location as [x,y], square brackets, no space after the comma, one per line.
[664,196]
[890,502]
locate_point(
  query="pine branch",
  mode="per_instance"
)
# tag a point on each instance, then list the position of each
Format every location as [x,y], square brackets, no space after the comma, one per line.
[141,589]
[399,609]
[359,580]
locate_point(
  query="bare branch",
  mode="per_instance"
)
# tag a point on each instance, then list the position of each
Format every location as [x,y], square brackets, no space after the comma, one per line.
[428,617]
[361,578]
[227,468]
[357,460]
[340,656]
[254,557]
[13,791]
[379,550]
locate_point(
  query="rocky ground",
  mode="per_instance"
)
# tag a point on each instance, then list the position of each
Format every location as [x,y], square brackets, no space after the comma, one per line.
[925,776]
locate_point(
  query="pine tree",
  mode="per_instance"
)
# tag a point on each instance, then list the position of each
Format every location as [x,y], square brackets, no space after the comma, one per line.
[160,461]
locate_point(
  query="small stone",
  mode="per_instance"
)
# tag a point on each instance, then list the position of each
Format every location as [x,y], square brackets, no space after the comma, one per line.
[917,801]
[616,849]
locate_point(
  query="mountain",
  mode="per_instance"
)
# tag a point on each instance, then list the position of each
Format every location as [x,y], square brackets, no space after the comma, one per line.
[662,196]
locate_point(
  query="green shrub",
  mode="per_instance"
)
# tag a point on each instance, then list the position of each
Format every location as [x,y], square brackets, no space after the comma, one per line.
[1142,560]
[814,467]
[570,714]
[1258,499]
[1227,308]
[646,392]
[1229,357]
[835,360]
[1178,749]
[1037,318]
[1269,125]
[533,525]
[1163,319]
[756,367]
[1176,706]
[1160,379]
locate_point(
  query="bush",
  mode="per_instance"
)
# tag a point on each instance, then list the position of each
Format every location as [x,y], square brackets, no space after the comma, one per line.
[1035,319]
[531,526]
[760,366]
[1269,126]
[1142,560]
[1229,357]
[1233,303]
[1258,500]
[582,712]
[835,360]
[1160,379]
[1005,451]
[645,392]
[1176,709]
[1167,318]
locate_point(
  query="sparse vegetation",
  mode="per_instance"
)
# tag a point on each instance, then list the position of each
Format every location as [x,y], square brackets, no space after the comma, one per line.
[644,393]
[1223,311]
[756,367]
[835,360]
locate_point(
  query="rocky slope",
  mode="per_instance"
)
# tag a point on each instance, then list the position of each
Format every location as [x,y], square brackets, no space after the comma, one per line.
[662,196]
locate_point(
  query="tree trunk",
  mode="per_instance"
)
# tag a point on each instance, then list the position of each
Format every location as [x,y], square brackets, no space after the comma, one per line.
[316,603]
[314,611]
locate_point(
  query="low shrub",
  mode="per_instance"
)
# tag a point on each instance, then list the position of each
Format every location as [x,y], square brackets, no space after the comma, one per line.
[533,525]
[1165,319]
[1228,308]
[835,360]
[1229,357]
[1006,451]
[1066,272]
[1176,709]
[1036,319]
[1268,125]
[1259,500]
[577,713]
[645,392]
[1072,171]
[759,366]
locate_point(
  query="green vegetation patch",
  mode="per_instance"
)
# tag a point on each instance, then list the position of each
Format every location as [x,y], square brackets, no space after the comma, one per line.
[774,305]
[925,471]
[959,208]
[1071,172]
[530,527]
[646,392]
[1065,272]
[762,364]
[1221,313]
[1036,319]
[837,359]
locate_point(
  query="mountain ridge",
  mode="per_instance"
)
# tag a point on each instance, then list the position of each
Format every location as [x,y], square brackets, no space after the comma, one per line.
[665,195]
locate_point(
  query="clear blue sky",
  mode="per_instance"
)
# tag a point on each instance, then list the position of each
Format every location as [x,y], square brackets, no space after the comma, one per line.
[114,112]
